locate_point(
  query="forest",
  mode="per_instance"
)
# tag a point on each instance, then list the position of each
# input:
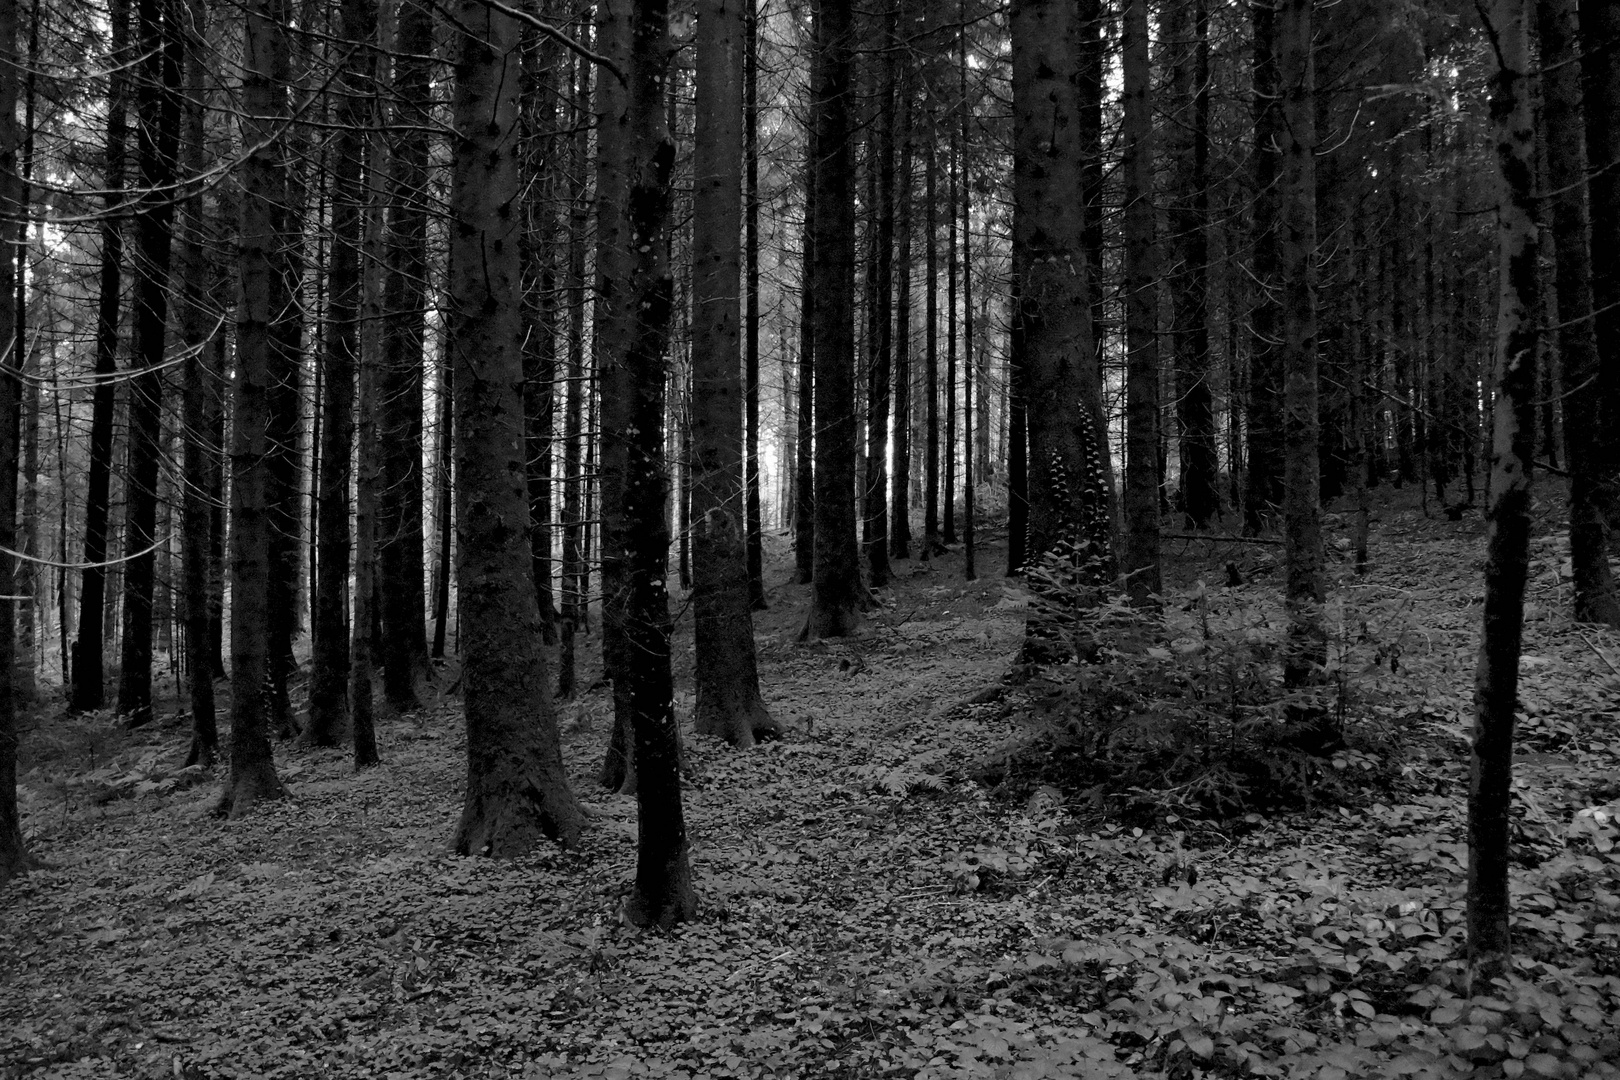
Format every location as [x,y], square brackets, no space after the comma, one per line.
[785,538]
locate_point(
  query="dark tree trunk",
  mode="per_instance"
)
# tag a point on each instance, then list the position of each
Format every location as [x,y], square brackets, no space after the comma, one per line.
[446,510]
[756,538]
[405,661]
[947,480]
[969,364]
[573,551]
[14,859]
[1306,651]
[880,331]
[264,99]
[663,894]
[157,139]
[88,673]
[517,790]
[1141,549]
[836,594]
[1262,489]
[329,671]
[1507,513]
[201,451]
[1069,492]
[1558,25]
[931,335]
[900,499]
[1600,68]
[542,74]
[728,701]
[1195,408]
[804,475]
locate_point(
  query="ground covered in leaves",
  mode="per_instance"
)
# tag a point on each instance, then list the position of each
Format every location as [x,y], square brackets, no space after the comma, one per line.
[892,890]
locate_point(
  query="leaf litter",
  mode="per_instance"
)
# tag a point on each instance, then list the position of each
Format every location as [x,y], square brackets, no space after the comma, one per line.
[874,905]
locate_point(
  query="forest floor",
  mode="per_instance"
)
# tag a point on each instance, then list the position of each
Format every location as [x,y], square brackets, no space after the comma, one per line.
[907,885]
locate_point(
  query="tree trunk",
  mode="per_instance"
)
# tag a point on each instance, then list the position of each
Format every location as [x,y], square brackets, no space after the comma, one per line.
[573,554]
[543,72]
[1306,651]
[1262,489]
[969,364]
[804,503]
[1070,497]
[14,859]
[836,593]
[88,672]
[517,790]
[931,333]
[663,894]
[947,480]
[1557,22]
[881,318]
[900,499]
[756,527]
[1600,69]
[1190,217]
[157,139]
[1141,554]
[329,673]
[264,100]
[399,512]
[200,448]
[728,701]
[1507,514]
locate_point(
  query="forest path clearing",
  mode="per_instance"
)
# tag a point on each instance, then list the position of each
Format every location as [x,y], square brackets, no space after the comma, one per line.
[868,909]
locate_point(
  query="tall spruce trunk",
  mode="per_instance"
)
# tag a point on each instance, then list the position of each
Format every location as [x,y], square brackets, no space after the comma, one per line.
[1262,488]
[543,72]
[836,593]
[14,858]
[329,671]
[1140,561]
[404,658]
[1306,650]
[930,380]
[1600,73]
[201,450]
[264,101]
[900,377]
[517,791]
[87,669]
[1070,498]
[1558,25]
[663,893]
[804,473]
[881,318]
[756,537]
[157,140]
[727,675]
[1507,512]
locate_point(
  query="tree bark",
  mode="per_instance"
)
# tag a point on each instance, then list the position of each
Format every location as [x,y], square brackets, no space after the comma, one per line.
[804,475]
[1070,497]
[543,73]
[900,499]
[1600,70]
[14,858]
[405,661]
[201,450]
[663,894]
[728,700]
[517,790]
[836,593]
[264,100]
[880,331]
[1306,650]
[1262,489]
[1141,554]
[329,673]
[756,537]
[1507,514]
[931,543]
[1558,26]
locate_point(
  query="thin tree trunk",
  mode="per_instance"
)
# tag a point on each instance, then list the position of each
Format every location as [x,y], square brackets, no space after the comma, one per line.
[14,859]
[157,138]
[517,790]
[881,324]
[264,99]
[1195,401]
[1262,489]
[947,480]
[804,503]
[329,718]
[1306,650]
[573,553]
[399,521]
[1507,515]
[446,515]
[1557,20]
[88,671]
[931,335]
[1600,70]
[543,73]
[969,362]
[756,539]
[663,893]
[728,700]
[836,593]
[201,451]
[1141,554]
[900,499]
